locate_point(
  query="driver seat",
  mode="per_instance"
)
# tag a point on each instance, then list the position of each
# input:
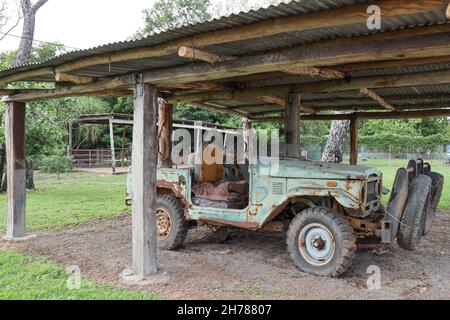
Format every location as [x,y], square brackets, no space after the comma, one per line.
[211,184]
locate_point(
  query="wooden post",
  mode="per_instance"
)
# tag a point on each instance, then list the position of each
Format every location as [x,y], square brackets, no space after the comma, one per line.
[354,141]
[124,134]
[292,126]
[247,127]
[70,146]
[144,163]
[113,151]
[16,169]
[165,121]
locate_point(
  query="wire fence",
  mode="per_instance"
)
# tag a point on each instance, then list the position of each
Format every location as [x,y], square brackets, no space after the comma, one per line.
[314,153]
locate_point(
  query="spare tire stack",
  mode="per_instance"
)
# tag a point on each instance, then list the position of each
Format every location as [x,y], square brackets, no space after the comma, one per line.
[421,205]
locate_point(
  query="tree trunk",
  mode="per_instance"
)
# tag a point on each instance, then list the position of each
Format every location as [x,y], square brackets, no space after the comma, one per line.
[2,167]
[334,150]
[29,21]
[29,175]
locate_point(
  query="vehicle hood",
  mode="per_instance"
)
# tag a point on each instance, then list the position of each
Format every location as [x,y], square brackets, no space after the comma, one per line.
[292,168]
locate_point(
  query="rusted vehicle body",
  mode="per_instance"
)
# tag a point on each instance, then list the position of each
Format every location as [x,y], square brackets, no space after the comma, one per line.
[326,209]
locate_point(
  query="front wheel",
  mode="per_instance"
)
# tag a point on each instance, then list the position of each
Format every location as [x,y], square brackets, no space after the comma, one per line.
[321,242]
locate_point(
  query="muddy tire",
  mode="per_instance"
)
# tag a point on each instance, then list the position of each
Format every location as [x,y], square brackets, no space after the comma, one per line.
[437,185]
[414,215]
[171,225]
[321,242]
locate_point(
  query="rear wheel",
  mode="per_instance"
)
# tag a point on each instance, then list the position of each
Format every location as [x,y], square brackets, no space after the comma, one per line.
[321,242]
[171,226]
[415,213]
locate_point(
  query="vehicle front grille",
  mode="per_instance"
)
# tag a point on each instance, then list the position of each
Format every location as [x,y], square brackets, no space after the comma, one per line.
[372,188]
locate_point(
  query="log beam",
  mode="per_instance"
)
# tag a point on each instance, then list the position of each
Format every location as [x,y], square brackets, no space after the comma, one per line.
[394,115]
[326,73]
[389,81]
[216,108]
[16,169]
[282,102]
[325,55]
[197,54]
[66,77]
[420,46]
[273,99]
[377,98]
[144,163]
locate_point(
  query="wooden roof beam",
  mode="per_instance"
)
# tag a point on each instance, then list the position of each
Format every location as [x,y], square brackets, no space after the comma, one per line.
[66,77]
[392,115]
[196,86]
[197,54]
[326,73]
[389,81]
[280,101]
[377,98]
[357,50]
[216,108]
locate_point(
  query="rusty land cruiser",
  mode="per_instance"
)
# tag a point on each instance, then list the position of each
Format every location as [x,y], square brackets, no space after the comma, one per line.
[327,209]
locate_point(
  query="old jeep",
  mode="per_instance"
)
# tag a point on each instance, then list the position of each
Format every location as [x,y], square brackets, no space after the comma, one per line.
[327,209]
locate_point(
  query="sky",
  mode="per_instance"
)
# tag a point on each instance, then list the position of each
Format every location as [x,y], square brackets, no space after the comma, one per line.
[83,23]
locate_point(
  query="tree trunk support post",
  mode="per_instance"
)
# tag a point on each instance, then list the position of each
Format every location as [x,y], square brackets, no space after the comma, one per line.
[144,164]
[70,146]
[16,170]
[165,126]
[354,141]
[113,150]
[247,129]
[292,126]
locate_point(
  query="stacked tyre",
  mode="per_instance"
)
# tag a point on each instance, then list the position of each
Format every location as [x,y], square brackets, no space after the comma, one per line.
[420,209]
[437,185]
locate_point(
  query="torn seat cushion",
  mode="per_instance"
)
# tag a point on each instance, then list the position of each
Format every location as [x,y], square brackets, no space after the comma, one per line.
[235,193]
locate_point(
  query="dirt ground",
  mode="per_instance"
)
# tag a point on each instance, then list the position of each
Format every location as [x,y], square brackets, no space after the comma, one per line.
[247,265]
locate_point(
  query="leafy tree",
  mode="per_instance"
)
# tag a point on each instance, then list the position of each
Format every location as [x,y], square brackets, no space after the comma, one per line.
[57,163]
[169,14]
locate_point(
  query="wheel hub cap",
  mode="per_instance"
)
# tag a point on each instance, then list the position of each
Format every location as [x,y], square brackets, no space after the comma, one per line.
[316,244]
[163,224]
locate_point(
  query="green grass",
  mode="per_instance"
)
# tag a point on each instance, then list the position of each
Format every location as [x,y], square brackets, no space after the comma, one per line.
[389,169]
[74,198]
[24,278]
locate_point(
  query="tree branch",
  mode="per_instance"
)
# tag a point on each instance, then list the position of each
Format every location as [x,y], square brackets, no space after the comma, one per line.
[38,5]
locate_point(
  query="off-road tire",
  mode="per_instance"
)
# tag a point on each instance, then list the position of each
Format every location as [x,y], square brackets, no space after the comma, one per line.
[344,239]
[179,225]
[413,220]
[437,186]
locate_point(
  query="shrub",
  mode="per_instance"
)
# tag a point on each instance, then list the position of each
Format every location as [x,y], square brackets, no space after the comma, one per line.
[58,163]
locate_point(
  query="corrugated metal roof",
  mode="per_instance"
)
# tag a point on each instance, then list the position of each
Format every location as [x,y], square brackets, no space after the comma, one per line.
[237,48]
[264,44]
